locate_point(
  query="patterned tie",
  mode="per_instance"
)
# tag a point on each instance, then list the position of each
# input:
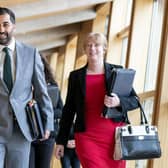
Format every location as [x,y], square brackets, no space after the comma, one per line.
[7,72]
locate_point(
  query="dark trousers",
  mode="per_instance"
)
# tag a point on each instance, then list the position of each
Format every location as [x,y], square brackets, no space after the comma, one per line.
[70,159]
[41,153]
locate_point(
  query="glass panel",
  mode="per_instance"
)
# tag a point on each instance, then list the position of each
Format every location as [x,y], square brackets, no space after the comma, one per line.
[140,163]
[124,51]
[129,11]
[106,25]
[125,39]
[153,51]
[148,108]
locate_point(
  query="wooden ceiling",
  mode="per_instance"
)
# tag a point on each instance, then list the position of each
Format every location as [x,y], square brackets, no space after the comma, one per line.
[46,24]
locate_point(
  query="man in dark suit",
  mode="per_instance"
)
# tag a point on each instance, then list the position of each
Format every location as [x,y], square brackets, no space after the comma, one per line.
[24,69]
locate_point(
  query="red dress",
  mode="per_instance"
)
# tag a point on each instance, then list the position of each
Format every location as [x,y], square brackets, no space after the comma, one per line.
[95,146]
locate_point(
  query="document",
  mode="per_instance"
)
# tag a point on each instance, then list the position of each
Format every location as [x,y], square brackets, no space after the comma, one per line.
[122,81]
[121,84]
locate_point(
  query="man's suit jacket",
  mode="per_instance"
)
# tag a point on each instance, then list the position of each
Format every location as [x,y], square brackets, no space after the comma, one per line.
[75,101]
[29,72]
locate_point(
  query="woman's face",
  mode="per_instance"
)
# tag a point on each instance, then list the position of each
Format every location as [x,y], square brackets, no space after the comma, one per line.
[94,50]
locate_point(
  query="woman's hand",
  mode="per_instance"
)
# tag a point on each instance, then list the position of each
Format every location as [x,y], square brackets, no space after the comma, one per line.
[112,101]
[71,144]
[59,151]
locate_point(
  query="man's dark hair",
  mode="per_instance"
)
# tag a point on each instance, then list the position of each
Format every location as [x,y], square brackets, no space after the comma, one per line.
[9,12]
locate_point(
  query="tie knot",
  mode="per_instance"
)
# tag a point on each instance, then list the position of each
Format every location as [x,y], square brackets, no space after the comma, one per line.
[6,49]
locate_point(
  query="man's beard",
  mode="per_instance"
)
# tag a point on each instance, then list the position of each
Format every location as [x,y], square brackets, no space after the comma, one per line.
[6,40]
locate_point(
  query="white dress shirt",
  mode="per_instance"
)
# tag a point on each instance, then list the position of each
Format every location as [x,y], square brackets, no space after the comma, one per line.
[12,53]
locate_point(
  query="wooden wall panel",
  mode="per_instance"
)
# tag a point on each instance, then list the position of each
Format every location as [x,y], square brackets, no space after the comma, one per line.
[139,40]
[117,23]
[96,25]
[99,23]
[60,66]
[86,27]
[53,63]
[161,100]
[69,62]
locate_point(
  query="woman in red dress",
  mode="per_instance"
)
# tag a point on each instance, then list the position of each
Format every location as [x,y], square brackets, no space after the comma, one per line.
[86,97]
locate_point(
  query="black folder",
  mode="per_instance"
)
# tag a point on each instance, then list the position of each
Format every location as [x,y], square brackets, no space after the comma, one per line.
[35,120]
[122,81]
[121,84]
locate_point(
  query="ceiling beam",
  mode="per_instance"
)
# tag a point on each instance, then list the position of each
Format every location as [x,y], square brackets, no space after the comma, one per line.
[49,34]
[51,44]
[49,7]
[54,21]
[8,3]
[48,52]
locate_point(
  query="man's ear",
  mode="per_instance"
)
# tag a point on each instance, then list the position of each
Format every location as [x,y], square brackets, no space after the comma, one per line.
[14,28]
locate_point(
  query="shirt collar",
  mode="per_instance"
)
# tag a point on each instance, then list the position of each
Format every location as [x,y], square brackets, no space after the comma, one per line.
[11,46]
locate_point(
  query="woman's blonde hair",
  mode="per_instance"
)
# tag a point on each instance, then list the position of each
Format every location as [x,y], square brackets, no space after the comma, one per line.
[99,38]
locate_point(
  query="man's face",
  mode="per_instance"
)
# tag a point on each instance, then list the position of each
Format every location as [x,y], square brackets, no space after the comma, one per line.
[6,29]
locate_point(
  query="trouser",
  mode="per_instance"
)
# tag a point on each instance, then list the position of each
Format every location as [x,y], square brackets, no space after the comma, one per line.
[70,159]
[14,153]
[41,153]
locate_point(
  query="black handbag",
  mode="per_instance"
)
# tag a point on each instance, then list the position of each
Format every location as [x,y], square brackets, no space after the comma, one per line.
[34,120]
[137,142]
[121,84]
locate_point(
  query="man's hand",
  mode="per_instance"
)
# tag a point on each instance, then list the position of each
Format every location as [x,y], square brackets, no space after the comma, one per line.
[46,135]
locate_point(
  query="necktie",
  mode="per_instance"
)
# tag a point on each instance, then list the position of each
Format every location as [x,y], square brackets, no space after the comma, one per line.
[7,72]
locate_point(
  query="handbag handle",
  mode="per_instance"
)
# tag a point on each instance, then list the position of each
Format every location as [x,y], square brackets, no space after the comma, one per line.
[143,118]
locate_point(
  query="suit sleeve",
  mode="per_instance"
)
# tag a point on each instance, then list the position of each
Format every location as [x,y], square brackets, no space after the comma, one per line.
[68,114]
[41,94]
[129,103]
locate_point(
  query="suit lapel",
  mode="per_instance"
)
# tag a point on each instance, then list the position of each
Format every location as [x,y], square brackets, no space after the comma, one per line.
[18,62]
[108,72]
[18,55]
[3,83]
